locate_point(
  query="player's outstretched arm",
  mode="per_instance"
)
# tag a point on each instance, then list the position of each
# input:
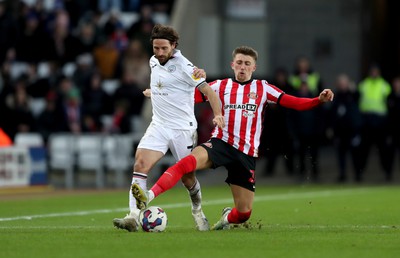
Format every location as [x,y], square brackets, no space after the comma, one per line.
[300,104]
[214,103]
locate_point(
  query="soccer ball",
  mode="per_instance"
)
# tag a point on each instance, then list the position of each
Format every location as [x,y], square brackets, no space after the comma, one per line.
[153,219]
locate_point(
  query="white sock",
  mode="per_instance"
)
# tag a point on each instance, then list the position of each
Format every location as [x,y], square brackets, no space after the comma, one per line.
[141,180]
[195,195]
[150,196]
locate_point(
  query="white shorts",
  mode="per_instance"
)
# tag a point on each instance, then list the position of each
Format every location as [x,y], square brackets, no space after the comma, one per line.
[179,142]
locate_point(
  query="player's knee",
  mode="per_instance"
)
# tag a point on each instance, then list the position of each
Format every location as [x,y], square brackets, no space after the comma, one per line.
[141,166]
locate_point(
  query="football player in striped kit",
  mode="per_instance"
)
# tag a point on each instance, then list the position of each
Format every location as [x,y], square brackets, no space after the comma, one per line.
[173,127]
[234,146]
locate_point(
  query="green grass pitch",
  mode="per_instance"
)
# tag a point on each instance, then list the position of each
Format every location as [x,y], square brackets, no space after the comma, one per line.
[287,221]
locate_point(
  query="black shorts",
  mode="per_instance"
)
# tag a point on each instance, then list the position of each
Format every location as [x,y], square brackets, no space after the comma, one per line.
[241,167]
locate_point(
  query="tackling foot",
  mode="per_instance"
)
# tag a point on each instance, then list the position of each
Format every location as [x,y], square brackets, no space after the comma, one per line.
[223,221]
[128,223]
[141,196]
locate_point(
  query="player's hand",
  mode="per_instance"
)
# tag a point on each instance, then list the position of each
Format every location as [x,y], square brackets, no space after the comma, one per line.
[219,121]
[147,93]
[326,95]
[199,73]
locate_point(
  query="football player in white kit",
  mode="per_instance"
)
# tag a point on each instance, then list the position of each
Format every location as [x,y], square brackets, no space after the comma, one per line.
[235,146]
[173,127]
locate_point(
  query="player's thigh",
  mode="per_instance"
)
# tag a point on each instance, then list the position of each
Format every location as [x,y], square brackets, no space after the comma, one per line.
[243,198]
[203,160]
[152,147]
[182,142]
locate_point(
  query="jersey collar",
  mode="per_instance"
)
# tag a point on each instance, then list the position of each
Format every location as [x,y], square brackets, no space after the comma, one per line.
[242,83]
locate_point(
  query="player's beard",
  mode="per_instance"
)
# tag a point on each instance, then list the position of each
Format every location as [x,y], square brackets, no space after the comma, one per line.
[164,59]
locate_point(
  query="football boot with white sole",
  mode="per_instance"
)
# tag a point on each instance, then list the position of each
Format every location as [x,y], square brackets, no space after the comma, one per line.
[200,220]
[129,223]
[223,221]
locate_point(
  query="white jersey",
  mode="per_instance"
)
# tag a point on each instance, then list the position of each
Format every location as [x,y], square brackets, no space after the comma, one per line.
[172,92]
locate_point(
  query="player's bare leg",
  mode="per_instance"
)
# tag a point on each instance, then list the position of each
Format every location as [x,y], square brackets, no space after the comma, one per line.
[243,199]
[144,161]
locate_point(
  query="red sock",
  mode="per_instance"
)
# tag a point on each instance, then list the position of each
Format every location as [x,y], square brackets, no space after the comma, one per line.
[170,177]
[238,217]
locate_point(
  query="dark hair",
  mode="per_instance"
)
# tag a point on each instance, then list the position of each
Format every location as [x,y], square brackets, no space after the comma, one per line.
[164,32]
[245,50]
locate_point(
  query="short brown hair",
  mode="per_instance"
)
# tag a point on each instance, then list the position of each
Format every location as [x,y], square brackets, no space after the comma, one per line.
[245,50]
[164,32]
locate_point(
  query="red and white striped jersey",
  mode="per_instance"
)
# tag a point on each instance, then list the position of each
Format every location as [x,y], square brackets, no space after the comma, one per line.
[243,109]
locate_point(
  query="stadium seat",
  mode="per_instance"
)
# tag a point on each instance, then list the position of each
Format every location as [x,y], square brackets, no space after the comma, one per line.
[28,140]
[17,69]
[43,70]
[68,69]
[118,156]
[89,153]
[61,155]
[37,105]
[137,124]
[106,121]
[128,18]
[110,86]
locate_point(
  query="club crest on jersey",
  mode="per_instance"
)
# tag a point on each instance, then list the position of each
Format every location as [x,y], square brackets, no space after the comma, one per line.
[252,95]
[171,68]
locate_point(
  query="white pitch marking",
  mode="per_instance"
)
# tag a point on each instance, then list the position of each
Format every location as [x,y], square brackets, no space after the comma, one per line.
[276,197]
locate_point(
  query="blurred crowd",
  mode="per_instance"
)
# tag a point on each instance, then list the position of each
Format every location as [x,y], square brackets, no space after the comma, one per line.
[363,118]
[81,66]
[75,66]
